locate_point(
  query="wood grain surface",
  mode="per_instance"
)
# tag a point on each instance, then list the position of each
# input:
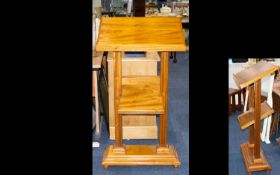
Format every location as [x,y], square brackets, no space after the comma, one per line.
[141,34]
[248,118]
[254,73]
[141,95]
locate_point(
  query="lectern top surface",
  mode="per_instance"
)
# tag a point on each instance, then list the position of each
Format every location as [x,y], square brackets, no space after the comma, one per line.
[254,73]
[141,34]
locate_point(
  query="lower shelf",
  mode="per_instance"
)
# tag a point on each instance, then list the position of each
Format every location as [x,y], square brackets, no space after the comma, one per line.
[140,155]
[248,157]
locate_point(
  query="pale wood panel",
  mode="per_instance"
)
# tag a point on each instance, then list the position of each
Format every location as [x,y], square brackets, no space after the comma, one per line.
[93,85]
[141,34]
[139,68]
[136,132]
[139,120]
[137,127]
[97,60]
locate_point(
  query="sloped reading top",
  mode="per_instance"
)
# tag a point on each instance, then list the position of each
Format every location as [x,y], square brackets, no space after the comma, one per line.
[254,73]
[141,34]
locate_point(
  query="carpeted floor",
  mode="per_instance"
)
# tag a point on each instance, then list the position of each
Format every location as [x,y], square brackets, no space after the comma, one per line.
[238,136]
[178,128]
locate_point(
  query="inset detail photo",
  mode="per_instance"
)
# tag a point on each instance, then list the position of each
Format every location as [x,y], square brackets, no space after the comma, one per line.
[253,111]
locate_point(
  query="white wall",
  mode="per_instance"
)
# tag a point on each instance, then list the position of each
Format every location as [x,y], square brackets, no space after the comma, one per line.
[233,69]
[96,3]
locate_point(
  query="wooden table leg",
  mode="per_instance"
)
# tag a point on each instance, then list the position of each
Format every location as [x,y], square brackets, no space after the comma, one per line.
[97,111]
[239,101]
[175,58]
[171,55]
[274,123]
[233,103]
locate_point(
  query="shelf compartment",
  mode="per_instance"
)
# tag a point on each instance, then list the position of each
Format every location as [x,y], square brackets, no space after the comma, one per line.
[247,119]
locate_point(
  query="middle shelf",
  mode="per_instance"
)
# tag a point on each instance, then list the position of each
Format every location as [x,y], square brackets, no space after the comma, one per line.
[141,95]
[247,119]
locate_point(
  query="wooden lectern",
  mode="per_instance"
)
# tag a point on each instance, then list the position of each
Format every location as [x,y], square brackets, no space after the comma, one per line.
[253,155]
[142,95]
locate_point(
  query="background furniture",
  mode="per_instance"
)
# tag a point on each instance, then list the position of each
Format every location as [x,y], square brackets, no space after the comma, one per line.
[138,8]
[276,106]
[185,25]
[234,68]
[253,155]
[96,66]
[134,126]
[232,107]
[182,9]
[141,94]
[267,86]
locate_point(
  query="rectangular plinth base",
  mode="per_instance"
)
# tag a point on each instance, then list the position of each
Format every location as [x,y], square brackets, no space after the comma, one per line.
[248,157]
[139,155]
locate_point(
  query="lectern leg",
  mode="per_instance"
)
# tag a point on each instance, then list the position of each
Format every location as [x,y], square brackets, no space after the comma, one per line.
[163,128]
[164,92]
[257,119]
[117,94]
[118,131]
[252,127]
